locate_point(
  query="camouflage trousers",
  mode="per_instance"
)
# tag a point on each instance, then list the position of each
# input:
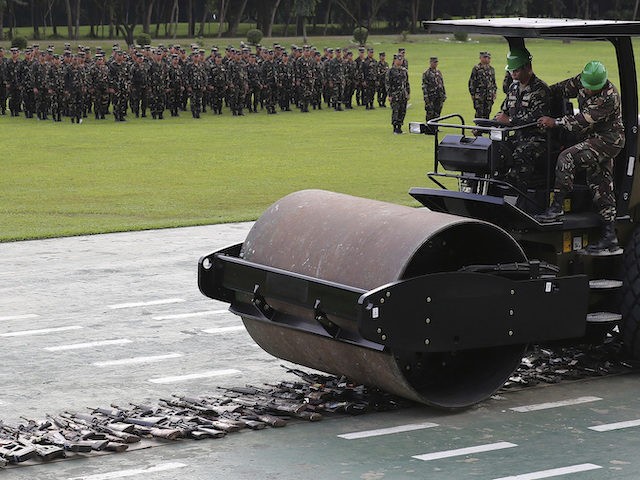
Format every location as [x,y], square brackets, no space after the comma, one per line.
[433,109]
[398,110]
[525,155]
[157,101]
[482,108]
[382,94]
[596,157]
[3,98]
[337,92]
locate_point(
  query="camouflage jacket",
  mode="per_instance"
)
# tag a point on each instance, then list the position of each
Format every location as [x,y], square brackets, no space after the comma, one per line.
[175,77]
[119,77]
[433,86]
[99,78]
[397,82]
[139,75]
[13,75]
[600,114]
[335,70]
[39,74]
[268,73]
[369,70]
[159,76]
[197,76]
[284,74]
[527,105]
[217,76]
[254,76]
[482,82]
[55,79]
[381,71]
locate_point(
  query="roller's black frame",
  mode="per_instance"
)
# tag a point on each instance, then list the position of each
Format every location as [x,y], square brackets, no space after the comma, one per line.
[225,276]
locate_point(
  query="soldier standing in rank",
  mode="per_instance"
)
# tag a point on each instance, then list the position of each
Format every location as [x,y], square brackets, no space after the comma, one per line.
[305,79]
[39,71]
[336,79]
[268,77]
[381,71]
[55,88]
[433,89]
[218,82]
[3,83]
[175,85]
[319,81]
[254,95]
[73,88]
[369,77]
[196,83]
[158,80]
[14,82]
[359,76]
[349,79]
[119,86]
[139,97]
[398,89]
[99,84]
[27,85]
[482,86]
[284,76]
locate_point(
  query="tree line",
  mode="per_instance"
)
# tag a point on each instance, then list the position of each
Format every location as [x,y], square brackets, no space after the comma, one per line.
[160,18]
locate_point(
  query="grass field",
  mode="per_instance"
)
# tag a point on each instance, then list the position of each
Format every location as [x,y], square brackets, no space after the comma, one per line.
[67,179]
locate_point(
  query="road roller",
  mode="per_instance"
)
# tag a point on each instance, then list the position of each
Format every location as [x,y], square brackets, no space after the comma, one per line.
[439,302]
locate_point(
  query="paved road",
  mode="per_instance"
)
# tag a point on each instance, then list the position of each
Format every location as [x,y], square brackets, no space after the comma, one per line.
[118,318]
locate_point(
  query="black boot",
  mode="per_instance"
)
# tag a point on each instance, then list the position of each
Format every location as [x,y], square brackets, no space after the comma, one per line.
[608,243]
[555,213]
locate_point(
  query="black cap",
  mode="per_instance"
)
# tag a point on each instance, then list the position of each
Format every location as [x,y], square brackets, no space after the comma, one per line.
[382,54]
[485,54]
[433,59]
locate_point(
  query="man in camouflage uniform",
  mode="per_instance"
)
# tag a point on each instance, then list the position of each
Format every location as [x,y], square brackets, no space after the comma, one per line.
[3,83]
[268,81]
[433,90]
[305,79]
[99,85]
[73,88]
[175,85]
[599,124]
[369,69]
[196,83]
[359,76]
[39,70]
[284,79]
[158,80]
[318,84]
[55,88]
[14,82]
[254,94]
[139,97]
[335,75]
[381,71]
[349,79]
[27,85]
[119,86]
[398,88]
[218,83]
[482,86]
[528,99]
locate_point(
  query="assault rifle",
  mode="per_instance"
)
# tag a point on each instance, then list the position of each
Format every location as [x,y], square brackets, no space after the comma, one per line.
[46,451]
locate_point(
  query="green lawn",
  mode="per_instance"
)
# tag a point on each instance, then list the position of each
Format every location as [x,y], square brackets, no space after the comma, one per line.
[67,179]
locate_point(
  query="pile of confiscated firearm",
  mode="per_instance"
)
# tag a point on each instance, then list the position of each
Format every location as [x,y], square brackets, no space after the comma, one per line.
[211,416]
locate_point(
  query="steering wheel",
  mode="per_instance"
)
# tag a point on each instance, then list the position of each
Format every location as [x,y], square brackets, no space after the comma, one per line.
[487,122]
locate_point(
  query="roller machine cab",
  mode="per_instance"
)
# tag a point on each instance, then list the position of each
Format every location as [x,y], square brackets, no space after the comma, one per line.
[438,304]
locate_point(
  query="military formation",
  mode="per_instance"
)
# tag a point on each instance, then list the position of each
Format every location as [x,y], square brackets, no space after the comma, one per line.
[155,81]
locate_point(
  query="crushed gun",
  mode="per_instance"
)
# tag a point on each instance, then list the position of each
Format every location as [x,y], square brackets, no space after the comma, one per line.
[31,440]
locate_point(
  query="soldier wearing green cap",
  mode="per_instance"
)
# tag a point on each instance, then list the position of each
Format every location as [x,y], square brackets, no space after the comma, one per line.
[527,100]
[433,90]
[601,131]
[482,86]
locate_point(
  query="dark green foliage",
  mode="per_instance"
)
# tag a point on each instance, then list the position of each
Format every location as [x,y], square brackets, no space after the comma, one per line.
[360,35]
[20,42]
[254,36]
[461,36]
[143,39]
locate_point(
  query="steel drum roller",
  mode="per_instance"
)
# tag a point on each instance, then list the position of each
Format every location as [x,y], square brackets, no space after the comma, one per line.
[366,244]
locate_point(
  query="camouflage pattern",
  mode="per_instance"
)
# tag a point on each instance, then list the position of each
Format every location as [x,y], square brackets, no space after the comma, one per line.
[175,87]
[39,71]
[269,81]
[55,89]
[218,84]
[600,126]
[254,94]
[3,84]
[196,86]
[349,82]
[119,87]
[139,97]
[483,89]
[382,67]
[335,74]
[398,89]
[99,87]
[305,80]
[369,78]
[284,81]
[27,86]
[529,145]
[73,91]
[158,80]
[433,92]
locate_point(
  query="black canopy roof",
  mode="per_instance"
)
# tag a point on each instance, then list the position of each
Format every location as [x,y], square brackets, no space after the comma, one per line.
[537,27]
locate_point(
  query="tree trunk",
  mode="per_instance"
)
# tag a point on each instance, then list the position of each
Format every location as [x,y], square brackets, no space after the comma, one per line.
[203,21]
[190,22]
[1,23]
[415,8]
[433,9]
[327,17]
[175,11]
[146,24]
[233,28]
[479,6]
[272,17]
[77,27]
[635,12]
[67,6]
[224,4]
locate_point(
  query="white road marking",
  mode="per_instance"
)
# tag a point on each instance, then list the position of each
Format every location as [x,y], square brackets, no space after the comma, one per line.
[27,316]
[615,426]
[145,304]
[562,403]
[464,451]
[554,472]
[387,431]
[190,315]
[79,346]
[25,333]
[235,328]
[163,467]
[193,376]
[134,360]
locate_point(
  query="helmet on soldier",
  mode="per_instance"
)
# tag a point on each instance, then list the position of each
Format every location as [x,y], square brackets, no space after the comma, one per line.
[594,75]
[517,58]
